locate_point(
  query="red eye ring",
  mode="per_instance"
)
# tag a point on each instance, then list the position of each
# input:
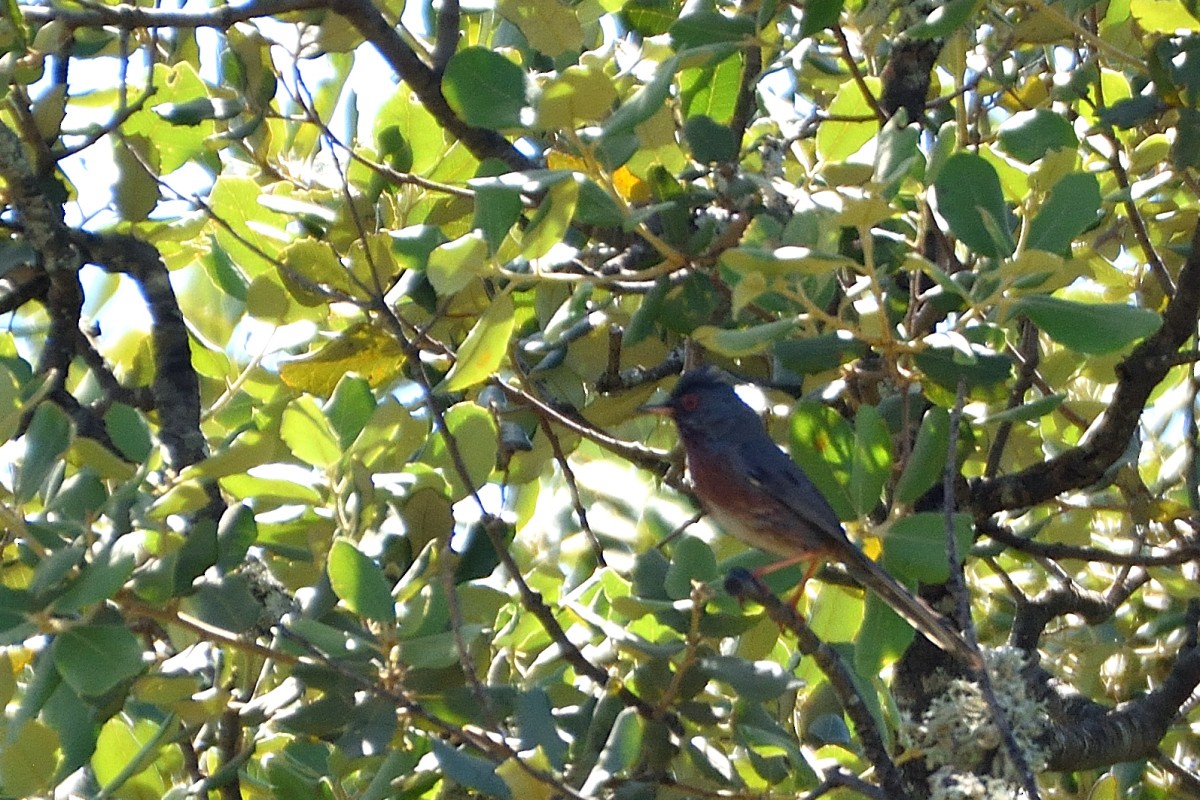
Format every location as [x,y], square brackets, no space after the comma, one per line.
[689,402]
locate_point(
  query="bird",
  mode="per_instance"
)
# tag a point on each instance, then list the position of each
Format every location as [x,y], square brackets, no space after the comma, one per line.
[758,494]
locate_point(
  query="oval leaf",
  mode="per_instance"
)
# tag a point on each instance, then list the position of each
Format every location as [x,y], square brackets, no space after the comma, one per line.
[359,582]
[1071,208]
[482,352]
[484,88]
[914,547]
[94,658]
[1092,328]
[970,198]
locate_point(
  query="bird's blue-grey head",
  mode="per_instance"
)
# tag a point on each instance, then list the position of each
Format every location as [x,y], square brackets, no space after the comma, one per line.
[704,402]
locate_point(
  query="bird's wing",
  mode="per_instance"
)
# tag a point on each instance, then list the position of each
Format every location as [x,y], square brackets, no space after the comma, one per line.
[775,471]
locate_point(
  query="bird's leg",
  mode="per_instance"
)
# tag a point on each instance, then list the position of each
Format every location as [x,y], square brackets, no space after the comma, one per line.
[799,558]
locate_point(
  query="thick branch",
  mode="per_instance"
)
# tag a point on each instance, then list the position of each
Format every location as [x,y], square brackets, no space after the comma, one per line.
[176,387]
[482,142]
[1138,374]
[1129,732]
[129,17]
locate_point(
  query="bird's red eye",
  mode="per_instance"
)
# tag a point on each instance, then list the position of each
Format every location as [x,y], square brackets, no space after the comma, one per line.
[689,402]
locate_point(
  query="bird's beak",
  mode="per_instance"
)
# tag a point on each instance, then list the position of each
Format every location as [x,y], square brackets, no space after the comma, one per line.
[660,409]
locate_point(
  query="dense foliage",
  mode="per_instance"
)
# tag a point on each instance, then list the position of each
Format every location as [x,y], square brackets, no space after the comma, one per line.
[327,326]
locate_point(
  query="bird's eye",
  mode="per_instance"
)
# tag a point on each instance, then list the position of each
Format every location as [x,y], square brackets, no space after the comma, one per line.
[689,402]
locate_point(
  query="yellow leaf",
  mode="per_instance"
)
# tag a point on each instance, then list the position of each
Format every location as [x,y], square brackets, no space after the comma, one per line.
[523,785]
[549,26]
[482,352]
[630,186]
[362,350]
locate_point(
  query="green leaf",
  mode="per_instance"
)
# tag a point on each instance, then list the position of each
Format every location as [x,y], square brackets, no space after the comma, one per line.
[838,140]
[198,553]
[538,727]
[29,756]
[437,650]
[237,531]
[943,20]
[782,261]
[359,582]
[914,547]
[308,433]
[129,432]
[709,141]
[1029,135]
[1072,207]
[644,103]
[701,28]
[621,752]
[126,751]
[872,462]
[896,154]
[15,607]
[711,90]
[551,220]
[819,15]
[485,347]
[1026,411]
[817,353]
[453,265]
[484,88]
[250,233]
[1162,16]
[46,439]
[945,366]
[691,560]
[470,771]
[226,603]
[97,581]
[136,191]
[650,17]
[1132,111]
[497,209]
[474,429]
[927,461]
[1091,328]
[751,681]
[970,198]
[882,638]
[93,659]
[550,26]
[823,444]
[1185,150]
[743,341]
[350,408]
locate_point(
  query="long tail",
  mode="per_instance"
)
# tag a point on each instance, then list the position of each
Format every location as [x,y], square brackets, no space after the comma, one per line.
[913,609]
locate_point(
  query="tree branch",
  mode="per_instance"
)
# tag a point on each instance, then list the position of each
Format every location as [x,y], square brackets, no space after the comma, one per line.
[1142,370]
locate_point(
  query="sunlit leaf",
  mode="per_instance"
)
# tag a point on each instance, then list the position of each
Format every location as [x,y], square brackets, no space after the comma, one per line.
[485,347]
[484,88]
[455,264]
[914,547]
[970,198]
[841,138]
[362,350]
[549,26]
[308,434]
[1092,328]
[360,583]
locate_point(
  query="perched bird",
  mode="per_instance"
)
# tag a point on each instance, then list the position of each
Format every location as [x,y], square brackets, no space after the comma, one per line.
[756,493]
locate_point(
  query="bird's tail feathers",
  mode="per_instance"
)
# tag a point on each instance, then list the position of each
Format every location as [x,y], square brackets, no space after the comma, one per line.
[933,625]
